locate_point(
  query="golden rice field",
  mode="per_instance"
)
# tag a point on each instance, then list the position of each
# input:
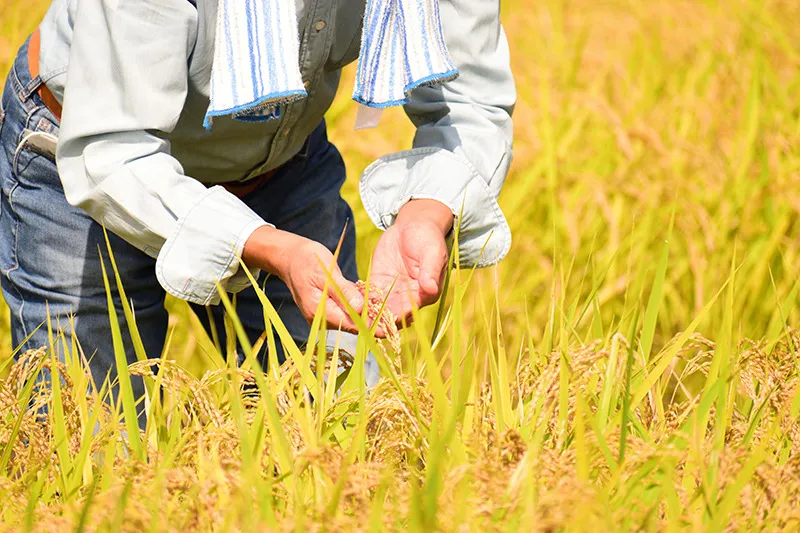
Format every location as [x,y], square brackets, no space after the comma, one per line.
[631,366]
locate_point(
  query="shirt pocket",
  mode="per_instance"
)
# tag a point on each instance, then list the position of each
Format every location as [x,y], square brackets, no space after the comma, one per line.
[346,43]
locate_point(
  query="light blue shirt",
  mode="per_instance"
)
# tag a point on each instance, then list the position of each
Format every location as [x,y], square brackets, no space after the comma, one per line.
[133,77]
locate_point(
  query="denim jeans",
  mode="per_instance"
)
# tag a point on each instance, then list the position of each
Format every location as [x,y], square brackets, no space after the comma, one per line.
[50,250]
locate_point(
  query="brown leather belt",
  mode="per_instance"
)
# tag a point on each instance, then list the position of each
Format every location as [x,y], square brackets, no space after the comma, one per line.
[243,188]
[240,189]
[34,46]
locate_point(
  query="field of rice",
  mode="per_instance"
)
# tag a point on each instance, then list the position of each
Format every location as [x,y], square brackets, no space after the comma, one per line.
[631,366]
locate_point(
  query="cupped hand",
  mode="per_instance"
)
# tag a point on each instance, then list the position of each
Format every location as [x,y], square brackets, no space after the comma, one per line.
[411,257]
[303,264]
[306,276]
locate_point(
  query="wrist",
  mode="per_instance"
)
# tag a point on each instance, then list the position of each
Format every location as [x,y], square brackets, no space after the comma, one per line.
[425,209]
[269,249]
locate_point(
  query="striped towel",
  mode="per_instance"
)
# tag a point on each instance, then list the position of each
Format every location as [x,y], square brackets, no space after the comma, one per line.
[256,65]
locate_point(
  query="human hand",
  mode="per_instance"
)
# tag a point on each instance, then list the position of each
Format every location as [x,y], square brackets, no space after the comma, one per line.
[412,254]
[303,264]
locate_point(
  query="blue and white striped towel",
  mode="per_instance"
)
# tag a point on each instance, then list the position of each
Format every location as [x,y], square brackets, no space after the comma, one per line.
[256,58]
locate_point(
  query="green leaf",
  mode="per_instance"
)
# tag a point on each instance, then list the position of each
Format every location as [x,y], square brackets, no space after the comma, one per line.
[123,376]
[656,296]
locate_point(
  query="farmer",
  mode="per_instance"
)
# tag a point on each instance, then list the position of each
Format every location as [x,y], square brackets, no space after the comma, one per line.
[194,131]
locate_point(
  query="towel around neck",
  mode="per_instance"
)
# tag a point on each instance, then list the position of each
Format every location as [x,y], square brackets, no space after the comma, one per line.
[256,58]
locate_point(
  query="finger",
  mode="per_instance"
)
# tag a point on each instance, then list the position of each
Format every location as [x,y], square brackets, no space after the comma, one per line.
[353,295]
[337,318]
[350,292]
[404,321]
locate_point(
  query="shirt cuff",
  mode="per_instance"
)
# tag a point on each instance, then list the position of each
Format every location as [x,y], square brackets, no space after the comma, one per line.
[206,247]
[438,174]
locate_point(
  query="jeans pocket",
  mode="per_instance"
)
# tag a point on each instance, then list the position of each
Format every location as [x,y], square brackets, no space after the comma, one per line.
[35,153]
[2,115]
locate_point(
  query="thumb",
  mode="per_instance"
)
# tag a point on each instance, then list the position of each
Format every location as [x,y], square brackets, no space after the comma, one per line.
[433,264]
[350,292]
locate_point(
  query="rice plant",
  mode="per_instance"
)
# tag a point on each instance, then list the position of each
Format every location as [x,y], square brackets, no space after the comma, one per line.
[632,365]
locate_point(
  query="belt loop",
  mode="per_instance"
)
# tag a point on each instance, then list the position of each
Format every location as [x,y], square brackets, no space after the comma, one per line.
[31,88]
[320,130]
[34,45]
[303,152]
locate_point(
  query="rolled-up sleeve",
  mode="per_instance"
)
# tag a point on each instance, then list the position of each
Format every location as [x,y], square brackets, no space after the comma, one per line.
[127,82]
[462,147]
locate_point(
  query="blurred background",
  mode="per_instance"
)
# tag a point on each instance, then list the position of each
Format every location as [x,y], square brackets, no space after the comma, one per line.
[630,115]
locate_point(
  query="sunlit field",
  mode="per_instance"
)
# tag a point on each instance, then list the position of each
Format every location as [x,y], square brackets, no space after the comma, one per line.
[631,365]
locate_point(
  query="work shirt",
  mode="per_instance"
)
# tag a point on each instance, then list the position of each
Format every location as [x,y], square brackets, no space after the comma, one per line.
[133,77]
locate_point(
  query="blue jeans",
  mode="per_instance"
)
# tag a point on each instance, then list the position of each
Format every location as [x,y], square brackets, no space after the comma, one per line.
[49,250]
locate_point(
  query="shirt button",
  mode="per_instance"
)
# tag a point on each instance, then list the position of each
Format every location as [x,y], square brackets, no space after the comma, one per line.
[319,26]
